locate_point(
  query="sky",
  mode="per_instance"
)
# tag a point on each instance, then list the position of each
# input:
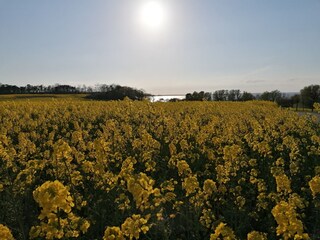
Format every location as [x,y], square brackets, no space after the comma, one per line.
[251,45]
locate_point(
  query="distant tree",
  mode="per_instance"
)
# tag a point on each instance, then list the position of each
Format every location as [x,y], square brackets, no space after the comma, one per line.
[189,97]
[175,100]
[310,95]
[265,96]
[64,89]
[273,96]
[117,92]
[9,89]
[276,95]
[206,96]
[295,99]
[284,101]
[220,95]
[246,96]
[105,88]
[234,95]
[198,96]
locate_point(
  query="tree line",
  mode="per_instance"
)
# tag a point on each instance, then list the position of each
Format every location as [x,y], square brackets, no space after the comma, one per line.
[31,89]
[117,92]
[99,92]
[220,95]
[305,99]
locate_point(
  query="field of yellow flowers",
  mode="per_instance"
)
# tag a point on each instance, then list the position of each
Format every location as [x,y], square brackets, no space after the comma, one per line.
[140,170]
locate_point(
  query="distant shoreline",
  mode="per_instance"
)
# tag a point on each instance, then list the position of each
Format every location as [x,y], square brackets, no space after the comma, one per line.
[165,98]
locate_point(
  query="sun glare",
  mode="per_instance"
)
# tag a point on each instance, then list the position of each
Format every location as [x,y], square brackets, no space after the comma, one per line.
[152,15]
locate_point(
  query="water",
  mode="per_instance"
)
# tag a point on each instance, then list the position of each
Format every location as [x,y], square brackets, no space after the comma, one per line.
[166,98]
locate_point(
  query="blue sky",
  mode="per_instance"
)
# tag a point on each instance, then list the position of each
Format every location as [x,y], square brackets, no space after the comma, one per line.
[251,45]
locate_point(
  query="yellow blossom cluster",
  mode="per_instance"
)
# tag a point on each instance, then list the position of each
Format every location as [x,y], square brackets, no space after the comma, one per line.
[5,233]
[289,226]
[56,219]
[139,170]
[130,229]
[223,232]
[254,235]
[113,233]
[314,184]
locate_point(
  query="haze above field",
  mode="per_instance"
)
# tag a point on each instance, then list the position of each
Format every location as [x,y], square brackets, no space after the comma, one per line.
[162,46]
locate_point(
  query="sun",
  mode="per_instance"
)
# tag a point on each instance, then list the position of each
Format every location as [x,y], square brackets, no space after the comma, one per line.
[152,15]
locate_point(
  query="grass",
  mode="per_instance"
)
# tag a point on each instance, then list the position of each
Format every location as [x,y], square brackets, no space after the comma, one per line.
[39,97]
[300,109]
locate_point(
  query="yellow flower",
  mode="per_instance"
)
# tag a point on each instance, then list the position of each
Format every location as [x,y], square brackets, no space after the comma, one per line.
[84,226]
[54,198]
[283,183]
[113,233]
[132,226]
[289,225]
[183,168]
[190,184]
[209,186]
[140,187]
[223,230]
[254,235]
[314,184]
[206,218]
[5,233]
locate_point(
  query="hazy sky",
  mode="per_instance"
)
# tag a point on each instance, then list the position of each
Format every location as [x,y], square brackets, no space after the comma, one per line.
[252,45]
